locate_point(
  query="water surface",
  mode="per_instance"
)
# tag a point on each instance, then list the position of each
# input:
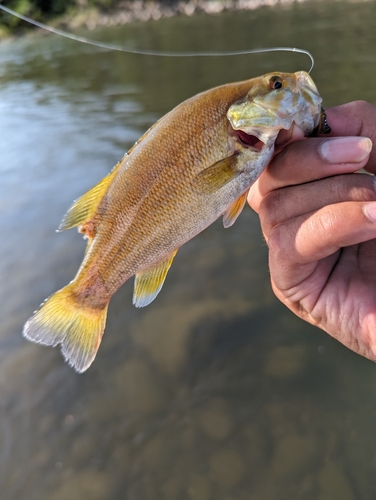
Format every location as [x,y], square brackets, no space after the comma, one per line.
[215,391]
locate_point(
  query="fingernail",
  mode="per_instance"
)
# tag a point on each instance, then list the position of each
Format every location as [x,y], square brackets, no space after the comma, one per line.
[345,149]
[370,211]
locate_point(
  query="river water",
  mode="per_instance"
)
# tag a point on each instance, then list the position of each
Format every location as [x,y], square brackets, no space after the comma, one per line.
[215,391]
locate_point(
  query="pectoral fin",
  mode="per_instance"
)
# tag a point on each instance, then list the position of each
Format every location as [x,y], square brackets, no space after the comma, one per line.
[218,175]
[148,283]
[85,207]
[234,210]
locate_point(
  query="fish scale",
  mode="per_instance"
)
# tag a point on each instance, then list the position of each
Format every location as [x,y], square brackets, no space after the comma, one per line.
[194,165]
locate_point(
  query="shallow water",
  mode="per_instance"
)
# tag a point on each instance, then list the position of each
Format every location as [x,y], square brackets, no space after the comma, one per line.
[215,391]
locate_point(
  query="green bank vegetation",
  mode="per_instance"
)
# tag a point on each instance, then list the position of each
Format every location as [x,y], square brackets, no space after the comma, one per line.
[71,14]
[51,11]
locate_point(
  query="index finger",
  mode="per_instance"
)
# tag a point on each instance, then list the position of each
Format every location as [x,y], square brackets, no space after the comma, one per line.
[310,160]
[356,118]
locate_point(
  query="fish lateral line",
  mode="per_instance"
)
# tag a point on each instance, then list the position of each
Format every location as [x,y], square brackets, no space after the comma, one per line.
[154,53]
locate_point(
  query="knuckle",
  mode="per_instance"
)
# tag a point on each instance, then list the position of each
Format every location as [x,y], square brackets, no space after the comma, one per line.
[270,210]
[362,113]
[363,106]
[356,108]
[278,242]
[326,223]
[360,105]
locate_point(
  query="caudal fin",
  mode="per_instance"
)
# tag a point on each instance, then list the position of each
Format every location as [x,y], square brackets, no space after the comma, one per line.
[63,320]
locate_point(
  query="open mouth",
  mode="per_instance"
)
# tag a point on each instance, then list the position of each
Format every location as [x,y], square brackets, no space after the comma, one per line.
[249,141]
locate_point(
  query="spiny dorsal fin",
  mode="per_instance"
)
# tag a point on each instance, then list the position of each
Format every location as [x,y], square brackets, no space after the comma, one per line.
[218,175]
[148,283]
[234,210]
[85,207]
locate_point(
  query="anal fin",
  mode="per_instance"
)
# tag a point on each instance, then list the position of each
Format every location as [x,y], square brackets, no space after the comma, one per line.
[234,210]
[148,283]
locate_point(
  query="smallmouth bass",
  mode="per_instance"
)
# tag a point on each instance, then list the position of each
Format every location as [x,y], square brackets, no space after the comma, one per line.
[194,165]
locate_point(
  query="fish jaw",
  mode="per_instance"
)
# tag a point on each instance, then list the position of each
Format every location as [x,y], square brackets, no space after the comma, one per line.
[264,111]
[308,117]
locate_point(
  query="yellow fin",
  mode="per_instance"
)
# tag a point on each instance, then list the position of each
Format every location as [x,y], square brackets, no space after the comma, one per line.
[85,207]
[234,210]
[62,320]
[218,175]
[148,283]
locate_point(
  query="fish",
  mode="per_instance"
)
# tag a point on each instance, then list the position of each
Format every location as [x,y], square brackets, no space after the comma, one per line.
[192,166]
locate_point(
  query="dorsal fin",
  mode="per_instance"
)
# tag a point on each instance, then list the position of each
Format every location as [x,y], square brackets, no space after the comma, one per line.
[234,210]
[85,207]
[148,283]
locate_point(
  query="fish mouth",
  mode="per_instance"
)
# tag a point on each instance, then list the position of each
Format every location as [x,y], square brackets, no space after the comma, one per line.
[248,140]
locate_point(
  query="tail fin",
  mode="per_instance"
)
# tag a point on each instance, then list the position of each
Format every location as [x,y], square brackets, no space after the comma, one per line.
[63,320]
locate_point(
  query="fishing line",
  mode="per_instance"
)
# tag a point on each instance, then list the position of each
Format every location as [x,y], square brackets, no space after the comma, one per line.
[156,53]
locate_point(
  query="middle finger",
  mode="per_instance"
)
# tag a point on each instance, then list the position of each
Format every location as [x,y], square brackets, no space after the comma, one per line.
[293,201]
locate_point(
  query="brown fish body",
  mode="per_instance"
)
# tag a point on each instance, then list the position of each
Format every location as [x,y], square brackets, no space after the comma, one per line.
[195,164]
[152,207]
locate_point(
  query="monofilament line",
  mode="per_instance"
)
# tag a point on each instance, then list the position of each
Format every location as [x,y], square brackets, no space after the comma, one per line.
[156,53]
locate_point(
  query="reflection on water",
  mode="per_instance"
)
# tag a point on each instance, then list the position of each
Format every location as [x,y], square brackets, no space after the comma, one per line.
[214,391]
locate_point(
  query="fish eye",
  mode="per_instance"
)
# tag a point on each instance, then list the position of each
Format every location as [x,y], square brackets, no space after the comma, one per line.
[275,83]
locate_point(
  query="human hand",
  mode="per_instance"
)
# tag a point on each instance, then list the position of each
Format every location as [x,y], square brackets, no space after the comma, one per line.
[319,220]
